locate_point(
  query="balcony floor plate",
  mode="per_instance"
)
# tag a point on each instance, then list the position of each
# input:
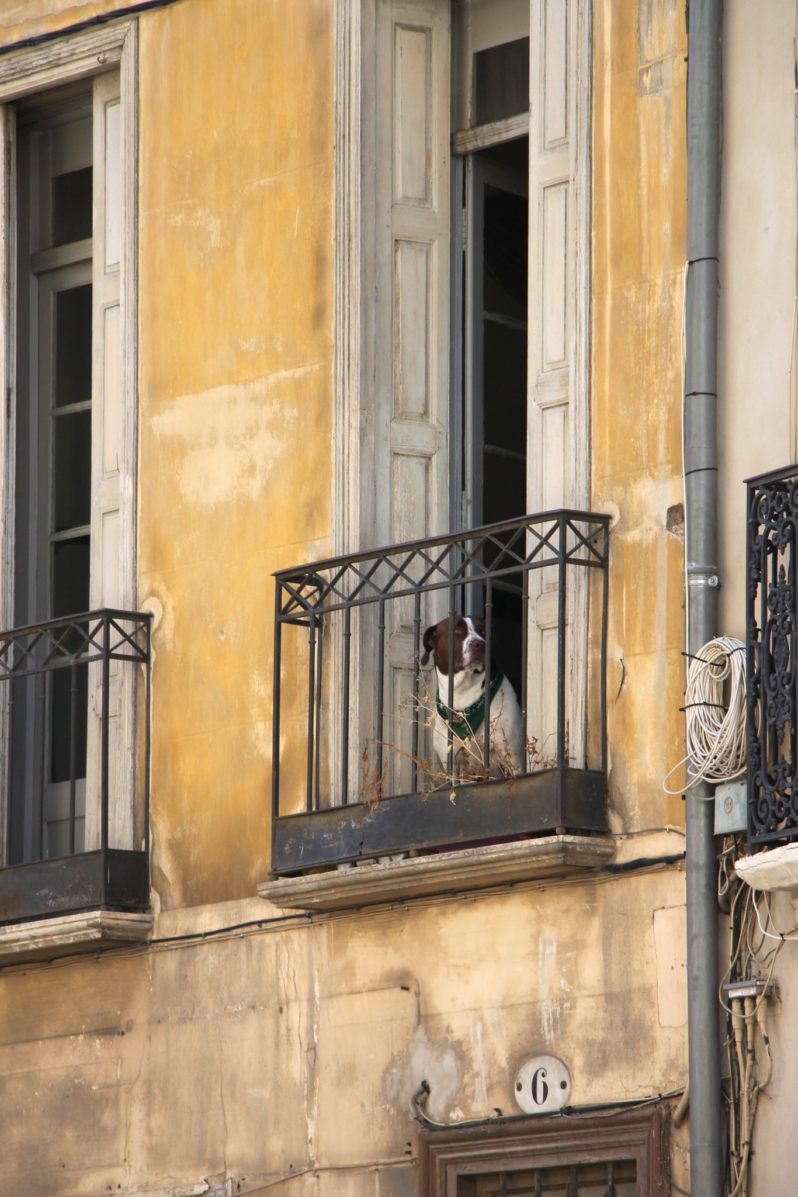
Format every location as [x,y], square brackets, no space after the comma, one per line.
[445,872]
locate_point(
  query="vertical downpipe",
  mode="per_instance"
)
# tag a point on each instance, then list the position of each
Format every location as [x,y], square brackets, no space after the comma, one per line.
[704,27]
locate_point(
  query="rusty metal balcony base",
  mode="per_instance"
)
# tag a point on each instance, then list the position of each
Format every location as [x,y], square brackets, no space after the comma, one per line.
[544,803]
[43,939]
[488,866]
[110,879]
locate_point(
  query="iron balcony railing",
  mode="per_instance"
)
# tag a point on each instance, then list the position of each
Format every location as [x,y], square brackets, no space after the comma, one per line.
[771,640]
[355,774]
[69,696]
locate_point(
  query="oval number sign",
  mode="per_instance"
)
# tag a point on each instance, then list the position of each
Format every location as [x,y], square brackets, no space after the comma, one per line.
[542,1085]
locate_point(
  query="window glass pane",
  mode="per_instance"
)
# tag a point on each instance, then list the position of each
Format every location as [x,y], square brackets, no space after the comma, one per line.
[72,470]
[69,692]
[505,487]
[72,206]
[505,387]
[501,81]
[505,237]
[70,576]
[73,345]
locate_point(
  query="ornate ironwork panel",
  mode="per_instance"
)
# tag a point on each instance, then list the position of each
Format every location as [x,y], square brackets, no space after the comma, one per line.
[772,620]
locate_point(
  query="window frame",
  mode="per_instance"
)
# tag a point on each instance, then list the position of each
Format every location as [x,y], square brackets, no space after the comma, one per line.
[84,57]
[640,1133]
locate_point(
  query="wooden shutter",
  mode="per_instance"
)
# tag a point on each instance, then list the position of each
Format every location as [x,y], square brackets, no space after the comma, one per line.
[412,201]
[112,547]
[557,450]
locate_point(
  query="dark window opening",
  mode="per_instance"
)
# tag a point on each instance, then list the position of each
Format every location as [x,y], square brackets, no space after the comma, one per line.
[501,81]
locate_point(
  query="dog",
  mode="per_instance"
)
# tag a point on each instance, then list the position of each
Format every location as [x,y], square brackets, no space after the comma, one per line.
[467,713]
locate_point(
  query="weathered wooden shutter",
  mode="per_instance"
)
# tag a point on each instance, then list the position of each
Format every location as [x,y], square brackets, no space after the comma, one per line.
[556,472]
[112,547]
[412,202]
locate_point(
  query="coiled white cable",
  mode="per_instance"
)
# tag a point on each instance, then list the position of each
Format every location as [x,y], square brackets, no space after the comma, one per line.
[714,708]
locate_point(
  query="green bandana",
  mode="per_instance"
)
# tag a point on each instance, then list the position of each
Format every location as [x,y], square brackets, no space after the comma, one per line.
[467,723]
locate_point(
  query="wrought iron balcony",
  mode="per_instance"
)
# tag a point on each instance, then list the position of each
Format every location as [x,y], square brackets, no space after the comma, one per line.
[355,774]
[771,630]
[75,827]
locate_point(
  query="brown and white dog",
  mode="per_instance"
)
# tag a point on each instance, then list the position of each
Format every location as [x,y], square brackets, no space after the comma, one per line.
[467,713]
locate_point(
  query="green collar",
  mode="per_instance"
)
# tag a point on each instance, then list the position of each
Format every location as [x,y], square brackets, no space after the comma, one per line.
[466,723]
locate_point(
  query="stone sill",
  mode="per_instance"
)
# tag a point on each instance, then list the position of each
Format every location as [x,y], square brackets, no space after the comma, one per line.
[89,931]
[421,876]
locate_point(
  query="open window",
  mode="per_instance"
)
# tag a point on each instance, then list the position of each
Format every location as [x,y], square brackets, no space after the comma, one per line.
[460,441]
[74,652]
[462,252]
[490,162]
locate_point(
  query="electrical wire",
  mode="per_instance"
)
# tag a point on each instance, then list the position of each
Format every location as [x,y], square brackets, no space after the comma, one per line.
[714,715]
[752,961]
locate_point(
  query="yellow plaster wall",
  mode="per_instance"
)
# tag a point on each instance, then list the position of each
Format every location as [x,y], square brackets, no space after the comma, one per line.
[235,402]
[21,19]
[296,1047]
[293,1047]
[639,208]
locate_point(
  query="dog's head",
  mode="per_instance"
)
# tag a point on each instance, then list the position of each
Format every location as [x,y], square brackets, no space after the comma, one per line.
[465,645]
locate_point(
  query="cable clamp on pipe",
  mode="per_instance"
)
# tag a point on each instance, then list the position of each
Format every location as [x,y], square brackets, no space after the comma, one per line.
[703,575]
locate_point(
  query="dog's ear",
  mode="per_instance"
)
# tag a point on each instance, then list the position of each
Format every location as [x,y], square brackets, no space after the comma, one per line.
[429,637]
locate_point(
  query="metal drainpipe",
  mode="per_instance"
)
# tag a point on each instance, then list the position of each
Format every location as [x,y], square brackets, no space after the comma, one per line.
[704,27]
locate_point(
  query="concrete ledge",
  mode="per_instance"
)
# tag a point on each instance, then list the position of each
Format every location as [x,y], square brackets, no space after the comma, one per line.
[463,869]
[86,932]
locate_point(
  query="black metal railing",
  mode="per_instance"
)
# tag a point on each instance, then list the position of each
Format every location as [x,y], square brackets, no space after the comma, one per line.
[68,701]
[354,771]
[771,631]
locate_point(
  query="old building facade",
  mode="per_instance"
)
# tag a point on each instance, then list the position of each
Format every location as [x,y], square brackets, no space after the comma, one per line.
[300,296]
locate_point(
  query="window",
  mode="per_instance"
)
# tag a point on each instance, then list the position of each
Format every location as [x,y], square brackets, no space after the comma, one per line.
[53,452]
[67,467]
[462,242]
[490,143]
[616,1153]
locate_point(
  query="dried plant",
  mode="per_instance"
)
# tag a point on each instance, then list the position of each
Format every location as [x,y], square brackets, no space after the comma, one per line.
[466,762]
[372,780]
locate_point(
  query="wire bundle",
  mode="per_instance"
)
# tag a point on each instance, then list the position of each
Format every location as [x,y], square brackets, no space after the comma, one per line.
[715,714]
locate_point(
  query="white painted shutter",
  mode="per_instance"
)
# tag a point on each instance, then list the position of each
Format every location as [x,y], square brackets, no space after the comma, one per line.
[556,476]
[412,201]
[112,550]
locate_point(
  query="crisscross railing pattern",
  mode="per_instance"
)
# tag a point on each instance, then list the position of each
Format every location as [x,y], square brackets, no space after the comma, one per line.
[352,706]
[52,675]
[772,644]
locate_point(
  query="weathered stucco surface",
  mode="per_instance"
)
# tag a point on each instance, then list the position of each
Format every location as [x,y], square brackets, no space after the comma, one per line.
[758,421]
[639,199]
[293,1047]
[235,403]
[20,19]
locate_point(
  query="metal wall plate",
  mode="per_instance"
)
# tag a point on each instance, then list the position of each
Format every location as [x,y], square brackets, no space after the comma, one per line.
[542,1085]
[731,808]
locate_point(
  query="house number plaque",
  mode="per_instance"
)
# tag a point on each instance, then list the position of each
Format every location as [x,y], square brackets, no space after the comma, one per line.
[542,1085]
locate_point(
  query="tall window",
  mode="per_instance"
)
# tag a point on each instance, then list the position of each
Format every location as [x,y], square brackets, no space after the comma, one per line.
[67,470]
[52,527]
[490,143]
[462,330]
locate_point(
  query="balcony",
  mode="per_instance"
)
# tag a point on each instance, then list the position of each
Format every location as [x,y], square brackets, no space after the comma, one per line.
[75,833]
[356,780]
[771,628]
